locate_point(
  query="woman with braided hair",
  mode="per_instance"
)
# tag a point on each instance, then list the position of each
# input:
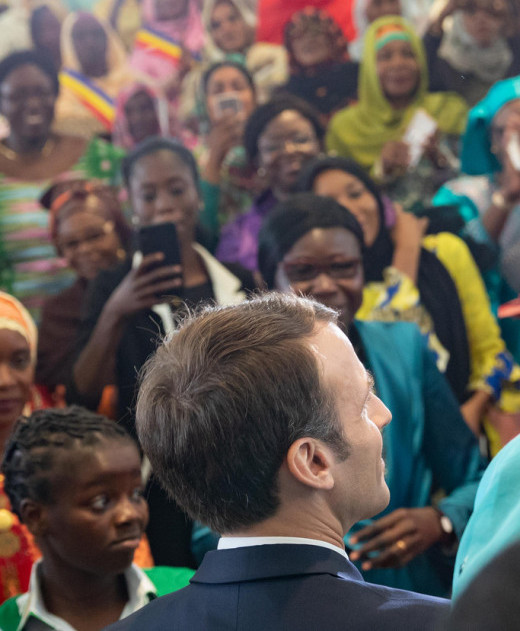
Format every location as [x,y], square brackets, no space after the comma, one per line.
[74,479]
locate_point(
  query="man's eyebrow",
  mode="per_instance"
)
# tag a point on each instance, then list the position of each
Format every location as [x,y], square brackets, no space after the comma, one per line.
[370,387]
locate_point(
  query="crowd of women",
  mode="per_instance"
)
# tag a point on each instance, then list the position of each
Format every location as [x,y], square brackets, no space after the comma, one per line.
[379,175]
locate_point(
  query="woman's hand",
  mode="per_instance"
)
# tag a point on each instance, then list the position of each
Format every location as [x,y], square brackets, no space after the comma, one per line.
[408,230]
[407,235]
[225,134]
[474,410]
[144,286]
[398,537]
[395,158]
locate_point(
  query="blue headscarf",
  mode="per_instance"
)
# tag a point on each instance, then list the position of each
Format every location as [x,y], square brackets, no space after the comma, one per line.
[476,156]
[495,522]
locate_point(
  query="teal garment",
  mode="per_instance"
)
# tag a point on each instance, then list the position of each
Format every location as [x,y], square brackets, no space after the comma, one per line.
[428,447]
[495,523]
[476,156]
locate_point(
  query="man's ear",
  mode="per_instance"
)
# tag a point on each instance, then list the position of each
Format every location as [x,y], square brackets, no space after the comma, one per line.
[34,516]
[310,462]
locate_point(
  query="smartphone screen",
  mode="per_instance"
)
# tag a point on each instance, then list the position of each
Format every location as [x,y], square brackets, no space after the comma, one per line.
[227,102]
[160,238]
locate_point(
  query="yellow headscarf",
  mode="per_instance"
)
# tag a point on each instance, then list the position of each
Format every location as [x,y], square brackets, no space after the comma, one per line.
[15,317]
[361,131]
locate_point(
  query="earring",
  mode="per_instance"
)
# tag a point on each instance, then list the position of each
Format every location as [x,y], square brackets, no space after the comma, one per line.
[261,172]
[135,221]
[121,254]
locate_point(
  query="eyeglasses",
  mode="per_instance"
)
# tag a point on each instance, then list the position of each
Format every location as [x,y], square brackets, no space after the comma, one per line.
[90,236]
[303,270]
[301,142]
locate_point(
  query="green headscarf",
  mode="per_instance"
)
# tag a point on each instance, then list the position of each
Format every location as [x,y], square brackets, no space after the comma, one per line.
[361,131]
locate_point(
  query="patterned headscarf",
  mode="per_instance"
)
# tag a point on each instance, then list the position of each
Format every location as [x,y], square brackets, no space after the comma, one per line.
[15,317]
[317,22]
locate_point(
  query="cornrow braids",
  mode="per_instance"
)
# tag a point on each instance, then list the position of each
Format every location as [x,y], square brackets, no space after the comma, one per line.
[36,442]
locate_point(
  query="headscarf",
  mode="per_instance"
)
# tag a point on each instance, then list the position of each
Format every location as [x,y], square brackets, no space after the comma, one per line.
[495,522]
[212,52]
[320,22]
[477,157]
[15,317]
[436,287]
[115,58]
[366,127]
[467,56]
[187,30]
[121,136]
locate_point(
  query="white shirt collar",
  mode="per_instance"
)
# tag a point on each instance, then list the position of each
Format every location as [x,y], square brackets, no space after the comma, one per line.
[228,543]
[140,591]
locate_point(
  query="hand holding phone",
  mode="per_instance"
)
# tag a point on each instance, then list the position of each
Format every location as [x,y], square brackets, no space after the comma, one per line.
[420,129]
[227,102]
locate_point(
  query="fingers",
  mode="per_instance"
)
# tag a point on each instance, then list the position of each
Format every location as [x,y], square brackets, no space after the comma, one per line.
[168,277]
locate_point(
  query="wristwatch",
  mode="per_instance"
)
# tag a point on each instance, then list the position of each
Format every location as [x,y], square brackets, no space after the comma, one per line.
[448,540]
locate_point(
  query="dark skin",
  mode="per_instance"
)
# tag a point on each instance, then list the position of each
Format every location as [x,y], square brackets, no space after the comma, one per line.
[90,44]
[162,188]
[27,101]
[89,532]
[417,528]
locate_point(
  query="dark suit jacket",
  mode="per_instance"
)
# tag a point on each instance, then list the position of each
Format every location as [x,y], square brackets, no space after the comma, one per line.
[284,587]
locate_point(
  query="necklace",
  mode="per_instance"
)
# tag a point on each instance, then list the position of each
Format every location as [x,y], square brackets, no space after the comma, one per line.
[13,156]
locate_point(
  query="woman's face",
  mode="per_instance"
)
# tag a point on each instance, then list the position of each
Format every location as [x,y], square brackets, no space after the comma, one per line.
[485,21]
[398,71]
[311,49]
[46,31]
[87,239]
[286,144]
[227,80]
[162,189]
[141,116]
[167,10]
[326,264]
[504,129]
[227,27]
[351,193]
[90,44]
[379,8]
[16,376]
[27,100]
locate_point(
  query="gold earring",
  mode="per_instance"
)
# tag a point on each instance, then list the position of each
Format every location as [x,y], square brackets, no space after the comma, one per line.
[121,254]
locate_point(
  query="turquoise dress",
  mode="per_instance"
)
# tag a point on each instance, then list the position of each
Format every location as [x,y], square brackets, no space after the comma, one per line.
[429,450]
[495,523]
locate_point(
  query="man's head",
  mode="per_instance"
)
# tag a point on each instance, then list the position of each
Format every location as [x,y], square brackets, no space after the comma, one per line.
[244,398]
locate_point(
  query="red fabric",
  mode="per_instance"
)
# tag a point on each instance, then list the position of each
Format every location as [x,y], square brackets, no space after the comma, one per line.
[273,15]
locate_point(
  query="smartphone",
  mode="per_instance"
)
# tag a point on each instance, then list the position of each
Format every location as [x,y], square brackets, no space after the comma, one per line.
[227,102]
[420,129]
[161,237]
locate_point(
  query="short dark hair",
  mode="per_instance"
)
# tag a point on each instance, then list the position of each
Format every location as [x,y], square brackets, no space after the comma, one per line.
[227,64]
[37,442]
[265,113]
[222,401]
[152,145]
[290,220]
[39,58]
